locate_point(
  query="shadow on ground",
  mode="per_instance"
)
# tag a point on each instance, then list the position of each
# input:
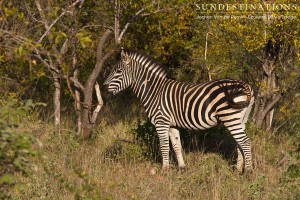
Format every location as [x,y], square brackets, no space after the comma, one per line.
[146,144]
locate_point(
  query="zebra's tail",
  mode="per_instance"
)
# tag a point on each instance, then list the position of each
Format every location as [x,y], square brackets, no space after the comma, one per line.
[236,94]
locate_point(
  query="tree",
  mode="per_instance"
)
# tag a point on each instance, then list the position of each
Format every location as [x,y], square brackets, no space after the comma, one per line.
[66,33]
[272,40]
[22,32]
[87,114]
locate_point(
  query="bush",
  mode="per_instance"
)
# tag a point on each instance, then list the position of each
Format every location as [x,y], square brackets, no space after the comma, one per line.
[125,151]
[15,146]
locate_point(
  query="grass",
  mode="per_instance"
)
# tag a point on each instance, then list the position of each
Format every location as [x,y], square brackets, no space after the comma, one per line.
[113,165]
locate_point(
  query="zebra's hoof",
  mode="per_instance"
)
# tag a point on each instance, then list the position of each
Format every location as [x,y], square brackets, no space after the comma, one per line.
[182,169]
[239,169]
[243,171]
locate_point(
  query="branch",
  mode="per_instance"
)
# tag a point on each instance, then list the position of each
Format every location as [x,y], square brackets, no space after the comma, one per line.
[65,46]
[117,20]
[18,38]
[44,61]
[70,88]
[101,45]
[166,9]
[136,15]
[76,82]
[205,55]
[46,23]
[37,54]
[108,55]
[49,27]
[278,127]
[118,38]
[100,103]
[271,105]
[268,67]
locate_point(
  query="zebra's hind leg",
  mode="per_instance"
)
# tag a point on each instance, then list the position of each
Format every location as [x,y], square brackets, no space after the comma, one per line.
[176,144]
[244,153]
[163,135]
[244,160]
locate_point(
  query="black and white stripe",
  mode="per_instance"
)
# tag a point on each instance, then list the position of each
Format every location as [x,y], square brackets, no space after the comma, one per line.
[171,104]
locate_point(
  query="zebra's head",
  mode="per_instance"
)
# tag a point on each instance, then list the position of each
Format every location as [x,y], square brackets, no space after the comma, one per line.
[120,78]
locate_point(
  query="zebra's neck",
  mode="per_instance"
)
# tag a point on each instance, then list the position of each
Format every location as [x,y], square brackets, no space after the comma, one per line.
[148,87]
[148,78]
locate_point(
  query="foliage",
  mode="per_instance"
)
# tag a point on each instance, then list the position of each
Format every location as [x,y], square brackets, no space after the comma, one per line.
[193,49]
[146,136]
[256,188]
[72,168]
[87,190]
[15,147]
[116,164]
[126,151]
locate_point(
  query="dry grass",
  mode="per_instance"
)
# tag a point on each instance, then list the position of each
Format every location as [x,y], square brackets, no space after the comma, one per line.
[97,169]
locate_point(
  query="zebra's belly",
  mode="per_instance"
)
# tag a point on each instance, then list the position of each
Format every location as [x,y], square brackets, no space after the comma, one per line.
[194,121]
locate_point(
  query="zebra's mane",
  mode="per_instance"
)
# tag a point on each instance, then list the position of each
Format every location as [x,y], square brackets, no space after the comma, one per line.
[147,61]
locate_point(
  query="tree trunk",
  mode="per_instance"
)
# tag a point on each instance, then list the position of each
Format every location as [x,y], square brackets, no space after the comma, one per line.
[89,116]
[267,98]
[86,113]
[78,112]
[77,104]
[56,102]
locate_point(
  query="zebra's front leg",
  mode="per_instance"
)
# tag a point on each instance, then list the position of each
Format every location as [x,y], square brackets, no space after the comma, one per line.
[176,143]
[240,160]
[163,135]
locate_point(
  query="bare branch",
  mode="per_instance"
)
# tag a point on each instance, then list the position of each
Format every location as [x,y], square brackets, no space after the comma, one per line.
[205,56]
[119,38]
[108,54]
[70,88]
[18,38]
[100,103]
[65,46]
[117,21]
[278,127]
[42,14]
[44,61]
[31,15]
[271,105]
[45,21]
[101,45]
[49,27]
[75,81]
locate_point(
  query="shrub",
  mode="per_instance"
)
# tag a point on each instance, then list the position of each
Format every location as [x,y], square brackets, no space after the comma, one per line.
[15,146]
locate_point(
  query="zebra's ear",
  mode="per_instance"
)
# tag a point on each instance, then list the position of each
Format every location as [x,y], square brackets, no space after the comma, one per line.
[123,55]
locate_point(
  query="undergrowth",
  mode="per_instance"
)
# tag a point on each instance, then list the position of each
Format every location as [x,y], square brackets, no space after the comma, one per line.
[122,161]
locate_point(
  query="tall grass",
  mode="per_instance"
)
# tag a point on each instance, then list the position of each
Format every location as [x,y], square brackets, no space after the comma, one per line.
[116,164]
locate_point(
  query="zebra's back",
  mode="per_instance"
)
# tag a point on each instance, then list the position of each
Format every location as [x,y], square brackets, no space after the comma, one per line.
[202,106]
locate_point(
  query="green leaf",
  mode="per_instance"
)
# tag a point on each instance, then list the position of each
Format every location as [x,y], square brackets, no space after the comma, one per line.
[7,179]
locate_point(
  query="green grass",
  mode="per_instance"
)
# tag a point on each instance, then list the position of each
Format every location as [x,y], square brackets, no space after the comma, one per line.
[114,165]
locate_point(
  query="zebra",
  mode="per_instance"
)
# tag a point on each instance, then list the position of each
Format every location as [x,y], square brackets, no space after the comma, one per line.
[170,104]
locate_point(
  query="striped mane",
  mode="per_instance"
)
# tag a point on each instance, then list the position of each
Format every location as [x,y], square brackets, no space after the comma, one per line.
[147,62]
